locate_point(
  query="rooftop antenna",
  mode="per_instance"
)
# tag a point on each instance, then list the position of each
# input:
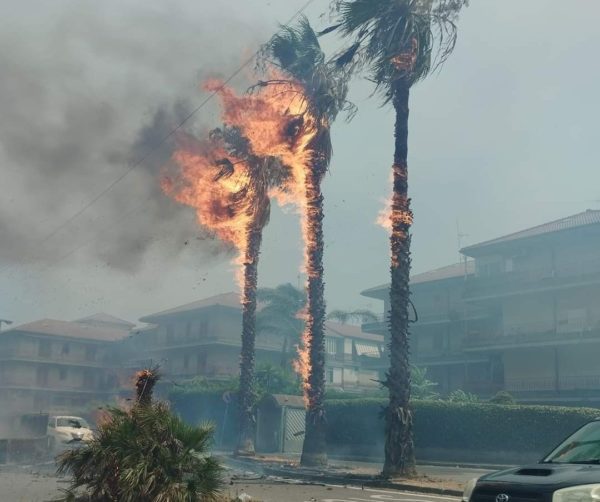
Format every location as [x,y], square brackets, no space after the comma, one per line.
[459,240]
[5,321]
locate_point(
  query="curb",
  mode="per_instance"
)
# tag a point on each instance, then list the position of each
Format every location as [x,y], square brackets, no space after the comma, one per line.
[348,479]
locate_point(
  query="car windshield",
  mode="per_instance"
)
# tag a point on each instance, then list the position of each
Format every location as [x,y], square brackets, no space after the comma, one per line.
[583,447]
[77,423]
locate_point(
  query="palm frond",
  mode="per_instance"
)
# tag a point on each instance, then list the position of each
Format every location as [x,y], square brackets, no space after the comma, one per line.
[297,53]
[147,453]
[345,316]
[397,40]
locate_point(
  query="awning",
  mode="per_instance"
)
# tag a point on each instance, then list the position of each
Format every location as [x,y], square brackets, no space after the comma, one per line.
[367,349]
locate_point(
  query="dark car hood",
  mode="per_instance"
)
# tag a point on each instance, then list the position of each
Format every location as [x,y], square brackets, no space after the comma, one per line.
[545,476]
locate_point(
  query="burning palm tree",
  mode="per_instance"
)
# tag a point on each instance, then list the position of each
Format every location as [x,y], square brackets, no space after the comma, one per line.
[289,117]
[398,42]
[297,54]
[229,185]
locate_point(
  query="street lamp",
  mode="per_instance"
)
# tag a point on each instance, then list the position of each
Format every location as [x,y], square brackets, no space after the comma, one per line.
[5,321]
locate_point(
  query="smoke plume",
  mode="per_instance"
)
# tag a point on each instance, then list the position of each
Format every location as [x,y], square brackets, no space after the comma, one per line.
[86,91]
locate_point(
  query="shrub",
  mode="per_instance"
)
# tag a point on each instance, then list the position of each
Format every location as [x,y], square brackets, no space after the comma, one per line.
[356,425]
[420,386]
[460,396]
[145,453]
[503,397]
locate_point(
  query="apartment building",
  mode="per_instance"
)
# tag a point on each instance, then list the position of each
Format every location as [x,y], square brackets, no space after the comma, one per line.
[522,314]
[442,320]
[59,366]
[352,357]
[203,338]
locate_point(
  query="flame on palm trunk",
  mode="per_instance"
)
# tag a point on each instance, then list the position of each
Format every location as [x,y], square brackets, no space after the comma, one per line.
[276,121]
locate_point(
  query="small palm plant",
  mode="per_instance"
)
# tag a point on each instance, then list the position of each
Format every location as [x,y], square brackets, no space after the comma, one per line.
[145,453]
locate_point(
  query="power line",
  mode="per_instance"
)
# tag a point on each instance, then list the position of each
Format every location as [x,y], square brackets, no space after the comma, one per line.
[154,148]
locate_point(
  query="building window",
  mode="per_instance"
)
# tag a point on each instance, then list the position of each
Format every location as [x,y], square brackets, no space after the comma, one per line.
[170,333]
[90,353]
[62,374]
[329,376]
[330,345]
[201,362]
[186,361]
[65,349]
[44,348]
[88,379]
[203,328]
[41,376]
[188,329]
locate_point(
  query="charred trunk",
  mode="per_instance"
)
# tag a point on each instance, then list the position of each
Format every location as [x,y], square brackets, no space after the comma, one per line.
[314,448]
[399,446]
[247,396]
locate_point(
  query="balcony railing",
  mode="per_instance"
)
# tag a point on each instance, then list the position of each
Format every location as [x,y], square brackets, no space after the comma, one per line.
[534,278]
[445,316]
[563,335]
[484,388]
[564,383]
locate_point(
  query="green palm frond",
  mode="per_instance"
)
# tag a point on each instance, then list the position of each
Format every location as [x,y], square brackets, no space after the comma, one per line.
[280,309]
[147,453]
[345,316]
[397,40]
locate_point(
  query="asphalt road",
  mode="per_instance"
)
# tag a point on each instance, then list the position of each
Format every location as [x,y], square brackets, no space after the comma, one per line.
[39,484]
[277,492]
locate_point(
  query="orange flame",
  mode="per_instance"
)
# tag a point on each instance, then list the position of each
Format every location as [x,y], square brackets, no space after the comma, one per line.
[277,122]
[198,185]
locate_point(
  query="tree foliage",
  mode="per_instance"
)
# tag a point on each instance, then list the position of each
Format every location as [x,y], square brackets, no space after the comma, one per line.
[396,40]
[357,315]
[460,396]
[421,387]
[145,453]
[280,311]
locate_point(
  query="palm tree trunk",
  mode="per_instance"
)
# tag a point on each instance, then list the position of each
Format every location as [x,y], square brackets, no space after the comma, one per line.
[247,396]
[314,448]
[399,446]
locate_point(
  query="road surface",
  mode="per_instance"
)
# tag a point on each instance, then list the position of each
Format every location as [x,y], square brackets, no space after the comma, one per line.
[277,492]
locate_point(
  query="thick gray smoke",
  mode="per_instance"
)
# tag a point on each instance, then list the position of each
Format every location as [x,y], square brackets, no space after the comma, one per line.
[87,90]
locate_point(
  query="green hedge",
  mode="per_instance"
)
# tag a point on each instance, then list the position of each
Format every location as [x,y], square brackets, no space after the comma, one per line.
[353,425]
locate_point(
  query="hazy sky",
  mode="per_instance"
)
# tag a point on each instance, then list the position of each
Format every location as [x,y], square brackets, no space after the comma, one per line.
[504,137]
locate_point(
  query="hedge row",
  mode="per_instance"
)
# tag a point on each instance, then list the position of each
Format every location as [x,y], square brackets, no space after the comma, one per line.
[458,426]
[355,426]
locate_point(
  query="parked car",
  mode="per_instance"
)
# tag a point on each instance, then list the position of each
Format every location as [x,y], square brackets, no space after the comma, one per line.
[65,432]
[570,473]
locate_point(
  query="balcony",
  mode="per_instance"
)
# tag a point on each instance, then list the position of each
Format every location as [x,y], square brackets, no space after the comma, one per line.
[562,384]
[380,326]
[446,358]
[534,336]
[59,360]
[565,275]
[483,388]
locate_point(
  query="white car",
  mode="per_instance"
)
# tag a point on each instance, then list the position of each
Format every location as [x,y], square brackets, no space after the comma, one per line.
[66,432]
